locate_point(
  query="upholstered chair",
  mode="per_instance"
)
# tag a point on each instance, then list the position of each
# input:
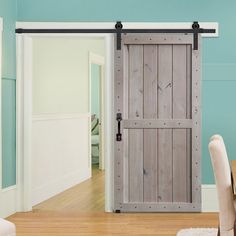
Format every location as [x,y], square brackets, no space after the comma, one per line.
[223,180]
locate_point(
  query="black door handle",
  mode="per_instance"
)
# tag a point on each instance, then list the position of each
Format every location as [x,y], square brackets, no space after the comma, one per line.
[119,119]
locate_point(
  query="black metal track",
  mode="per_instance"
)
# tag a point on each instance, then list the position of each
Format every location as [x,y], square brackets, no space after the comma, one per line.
[118,30]
[76,31]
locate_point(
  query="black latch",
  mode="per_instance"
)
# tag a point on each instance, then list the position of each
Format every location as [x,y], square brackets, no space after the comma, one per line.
[119,119]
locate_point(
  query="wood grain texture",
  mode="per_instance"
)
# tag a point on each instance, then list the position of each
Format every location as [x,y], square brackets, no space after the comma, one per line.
[179,112]
[136,111]
[119,108]
[158,124]
[160,151]
[150,135]
[102,224]
[196,129]
[157,39]
[188,116]
[126,131]
[165,84]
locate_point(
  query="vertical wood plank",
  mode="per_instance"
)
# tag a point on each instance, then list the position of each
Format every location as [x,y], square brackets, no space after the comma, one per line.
[188,116]
[125,116]
[118,150]
[165,111]
[179,135]
[136,112]
[196,130]
[150,112]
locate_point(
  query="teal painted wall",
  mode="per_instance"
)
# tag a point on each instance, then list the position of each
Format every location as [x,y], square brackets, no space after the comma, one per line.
[95,89]
[9,132]
[219,55]
[8,13]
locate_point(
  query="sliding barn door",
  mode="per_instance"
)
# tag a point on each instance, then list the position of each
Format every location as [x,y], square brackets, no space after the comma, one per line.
[158,124]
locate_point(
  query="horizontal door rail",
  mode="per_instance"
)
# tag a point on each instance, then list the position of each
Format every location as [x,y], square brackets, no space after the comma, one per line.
[157,39]
[157,124]
[118,30]
[109,31]
[162,207]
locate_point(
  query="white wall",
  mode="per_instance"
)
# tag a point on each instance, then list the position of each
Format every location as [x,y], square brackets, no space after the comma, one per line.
[61,70]
[59,154]
[95,89]
[61,114]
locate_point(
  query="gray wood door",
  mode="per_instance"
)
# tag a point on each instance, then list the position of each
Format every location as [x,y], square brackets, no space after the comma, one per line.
[157,164]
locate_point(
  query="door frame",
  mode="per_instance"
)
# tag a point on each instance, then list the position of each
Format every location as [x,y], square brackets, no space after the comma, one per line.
[24,113]
[23,43]
[98,60]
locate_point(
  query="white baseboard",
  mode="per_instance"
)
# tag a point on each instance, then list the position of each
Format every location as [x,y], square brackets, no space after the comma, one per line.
[51,189]
[209,198]
[7,201]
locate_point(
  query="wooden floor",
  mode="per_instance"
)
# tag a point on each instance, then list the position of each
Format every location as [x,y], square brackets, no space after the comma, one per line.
[79,211]
[85,197]
[73,224]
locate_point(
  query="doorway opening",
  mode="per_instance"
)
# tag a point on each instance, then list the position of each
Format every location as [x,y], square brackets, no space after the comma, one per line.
[96,66]
[64,92]
[61,176]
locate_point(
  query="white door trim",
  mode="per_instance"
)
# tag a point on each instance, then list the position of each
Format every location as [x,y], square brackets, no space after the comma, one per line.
[24,113]
[98,60]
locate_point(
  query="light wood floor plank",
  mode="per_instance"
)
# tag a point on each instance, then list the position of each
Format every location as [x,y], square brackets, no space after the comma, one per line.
[74,213]
[71,224]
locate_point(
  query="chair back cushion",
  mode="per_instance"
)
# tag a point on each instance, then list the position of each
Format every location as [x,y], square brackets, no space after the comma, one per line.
[222,174]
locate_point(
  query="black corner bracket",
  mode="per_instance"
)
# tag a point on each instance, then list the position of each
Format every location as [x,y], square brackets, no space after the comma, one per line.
[119,28]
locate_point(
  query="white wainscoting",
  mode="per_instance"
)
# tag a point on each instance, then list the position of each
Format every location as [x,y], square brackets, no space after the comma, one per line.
[60,153]
[209,198]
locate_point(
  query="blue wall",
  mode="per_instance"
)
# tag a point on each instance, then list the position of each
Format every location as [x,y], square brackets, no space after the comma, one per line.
[8,12]
[219,55]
